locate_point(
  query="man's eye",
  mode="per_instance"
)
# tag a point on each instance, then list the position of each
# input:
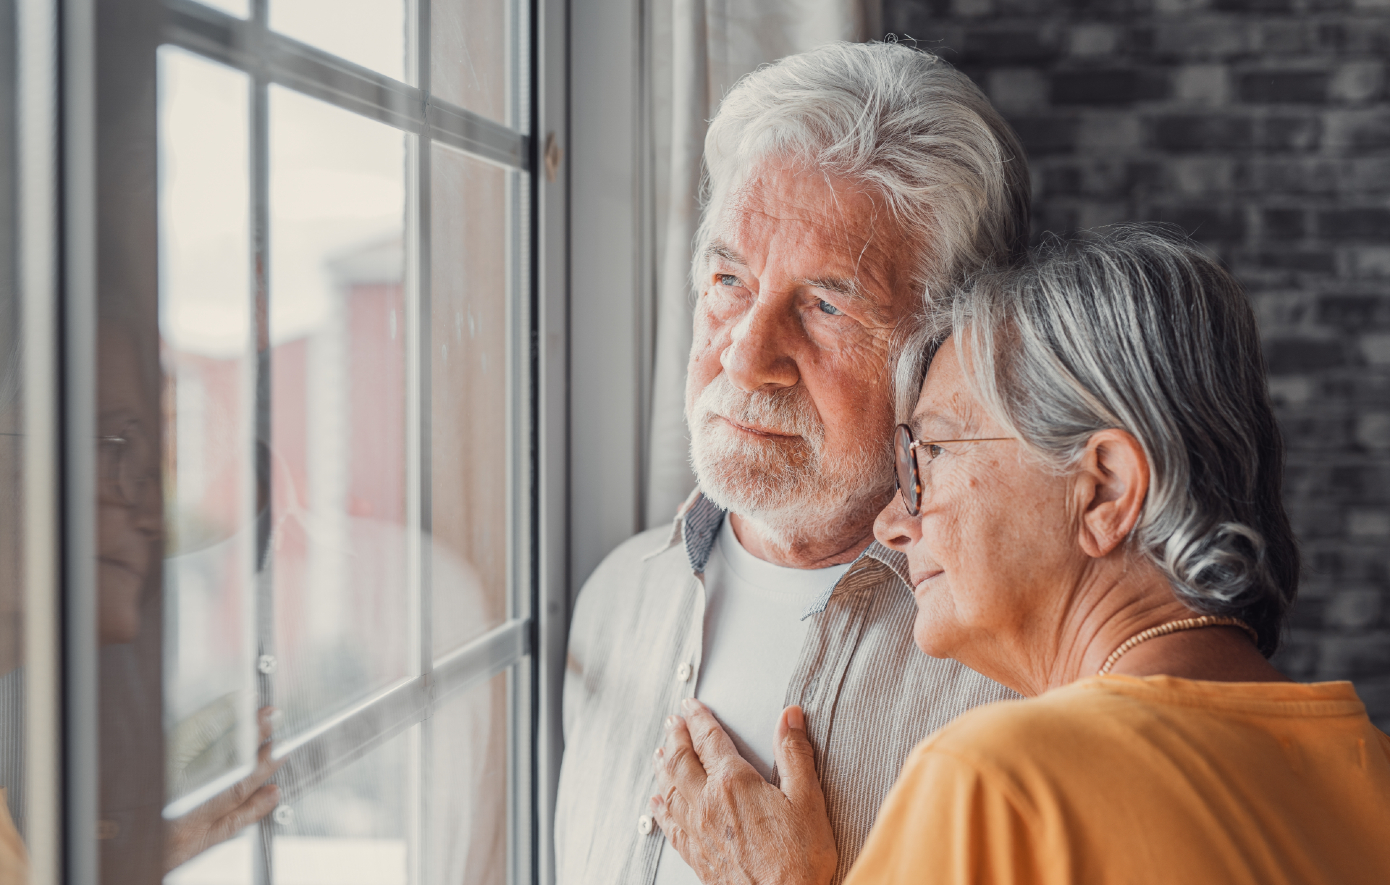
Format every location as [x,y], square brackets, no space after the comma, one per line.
[831,309]
[933,450]
[727,279]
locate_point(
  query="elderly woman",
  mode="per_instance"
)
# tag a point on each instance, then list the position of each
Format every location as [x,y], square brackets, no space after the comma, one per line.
[1090,513]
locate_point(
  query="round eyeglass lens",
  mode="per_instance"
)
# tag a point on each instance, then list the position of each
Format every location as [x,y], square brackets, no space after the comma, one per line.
[908,482]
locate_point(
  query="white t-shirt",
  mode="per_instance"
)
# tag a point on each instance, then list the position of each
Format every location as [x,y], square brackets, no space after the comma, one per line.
[752,640]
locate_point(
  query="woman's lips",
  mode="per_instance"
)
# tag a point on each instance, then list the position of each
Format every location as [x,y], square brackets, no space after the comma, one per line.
[919,583]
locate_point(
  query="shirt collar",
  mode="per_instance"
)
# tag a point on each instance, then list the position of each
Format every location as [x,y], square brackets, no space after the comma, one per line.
[698,522]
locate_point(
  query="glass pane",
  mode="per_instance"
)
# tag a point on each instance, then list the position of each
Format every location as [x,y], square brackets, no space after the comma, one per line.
[210,488]
[338,551]
[471,52]
[466,802]
[12,441]
[368,32]
[238,8]
[469,360]
[356,826]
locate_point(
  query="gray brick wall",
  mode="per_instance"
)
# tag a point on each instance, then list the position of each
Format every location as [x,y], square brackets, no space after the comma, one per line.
[1262,128]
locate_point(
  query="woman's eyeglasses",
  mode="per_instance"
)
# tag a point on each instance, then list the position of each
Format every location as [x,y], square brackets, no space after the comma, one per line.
[905,454]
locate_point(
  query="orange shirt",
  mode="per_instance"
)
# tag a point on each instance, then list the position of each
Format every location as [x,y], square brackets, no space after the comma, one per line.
[1116,779]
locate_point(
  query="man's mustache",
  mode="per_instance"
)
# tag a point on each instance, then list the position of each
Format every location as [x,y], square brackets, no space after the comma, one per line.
[788,411]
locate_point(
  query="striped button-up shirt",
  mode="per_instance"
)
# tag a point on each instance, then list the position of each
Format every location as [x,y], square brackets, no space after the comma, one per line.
[635,649]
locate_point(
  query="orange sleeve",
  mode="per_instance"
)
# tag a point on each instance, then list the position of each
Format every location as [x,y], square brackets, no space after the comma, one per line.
[944,823]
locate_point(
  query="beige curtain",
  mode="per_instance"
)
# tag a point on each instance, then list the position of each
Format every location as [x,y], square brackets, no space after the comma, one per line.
[699,49]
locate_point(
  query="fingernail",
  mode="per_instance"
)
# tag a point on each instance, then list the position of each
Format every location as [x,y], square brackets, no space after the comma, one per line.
[688,704]
[670,722]
[659,753]
[795,719]
[275,791]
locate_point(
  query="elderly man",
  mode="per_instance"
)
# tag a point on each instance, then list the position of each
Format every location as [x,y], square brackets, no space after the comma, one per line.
[846,185]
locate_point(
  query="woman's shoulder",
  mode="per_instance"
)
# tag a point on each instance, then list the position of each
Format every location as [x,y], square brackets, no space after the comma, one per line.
[1057,727]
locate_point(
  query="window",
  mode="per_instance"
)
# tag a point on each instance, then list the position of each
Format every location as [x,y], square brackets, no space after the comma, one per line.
[289,344]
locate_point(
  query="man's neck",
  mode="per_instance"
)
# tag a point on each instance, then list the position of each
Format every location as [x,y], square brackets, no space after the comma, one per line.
[841,547]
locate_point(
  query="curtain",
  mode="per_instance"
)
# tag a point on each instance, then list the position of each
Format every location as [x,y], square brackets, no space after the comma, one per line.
[698,51]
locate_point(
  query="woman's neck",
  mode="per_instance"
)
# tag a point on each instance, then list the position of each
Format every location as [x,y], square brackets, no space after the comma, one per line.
[1111,608]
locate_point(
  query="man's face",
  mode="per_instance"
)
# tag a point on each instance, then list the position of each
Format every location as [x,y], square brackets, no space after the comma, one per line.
[788,394]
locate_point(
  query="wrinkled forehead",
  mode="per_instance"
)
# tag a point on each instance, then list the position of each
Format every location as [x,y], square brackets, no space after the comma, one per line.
[946,407]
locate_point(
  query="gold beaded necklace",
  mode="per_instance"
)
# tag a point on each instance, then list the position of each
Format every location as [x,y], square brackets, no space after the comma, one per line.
[1174,627]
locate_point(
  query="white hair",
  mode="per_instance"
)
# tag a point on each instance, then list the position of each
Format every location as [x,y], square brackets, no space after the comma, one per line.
[1137,329]
[900,120]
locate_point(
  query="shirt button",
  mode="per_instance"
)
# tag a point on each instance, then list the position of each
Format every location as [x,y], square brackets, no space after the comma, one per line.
[684,672]
[644,824]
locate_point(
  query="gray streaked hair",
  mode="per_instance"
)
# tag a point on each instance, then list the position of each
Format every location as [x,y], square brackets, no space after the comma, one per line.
[900,120]
[1137,329]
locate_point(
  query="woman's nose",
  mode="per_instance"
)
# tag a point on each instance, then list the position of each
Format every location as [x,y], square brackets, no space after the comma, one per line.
[895,528]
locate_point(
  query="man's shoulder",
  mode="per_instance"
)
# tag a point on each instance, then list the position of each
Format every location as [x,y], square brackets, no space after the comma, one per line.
[645,557]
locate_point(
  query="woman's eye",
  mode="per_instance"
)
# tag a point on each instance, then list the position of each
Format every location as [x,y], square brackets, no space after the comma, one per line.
[727,279]
[827,307]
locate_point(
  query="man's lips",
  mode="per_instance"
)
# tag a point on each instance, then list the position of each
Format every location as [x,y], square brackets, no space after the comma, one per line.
[755,431]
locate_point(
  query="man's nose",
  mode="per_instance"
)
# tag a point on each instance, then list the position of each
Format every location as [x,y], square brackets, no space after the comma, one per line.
[895,528]
[758,356]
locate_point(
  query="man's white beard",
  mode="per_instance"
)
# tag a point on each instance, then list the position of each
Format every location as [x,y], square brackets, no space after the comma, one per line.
[787,485]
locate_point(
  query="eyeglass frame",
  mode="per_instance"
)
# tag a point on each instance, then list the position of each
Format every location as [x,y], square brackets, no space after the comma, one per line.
[908,457]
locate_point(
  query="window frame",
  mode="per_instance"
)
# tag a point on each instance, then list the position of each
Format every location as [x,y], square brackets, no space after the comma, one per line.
[60,49]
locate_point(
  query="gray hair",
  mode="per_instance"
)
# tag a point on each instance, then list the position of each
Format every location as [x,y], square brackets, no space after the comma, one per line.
[1139,330]
[898,119]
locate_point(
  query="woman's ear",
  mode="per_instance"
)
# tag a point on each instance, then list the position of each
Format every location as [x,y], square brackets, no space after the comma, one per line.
[1112,481]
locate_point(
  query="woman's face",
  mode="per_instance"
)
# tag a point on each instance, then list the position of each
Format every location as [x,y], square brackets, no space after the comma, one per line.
[994,551]
[127,530]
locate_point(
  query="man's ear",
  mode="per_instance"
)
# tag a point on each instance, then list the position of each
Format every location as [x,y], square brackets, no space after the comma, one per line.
[1112,481]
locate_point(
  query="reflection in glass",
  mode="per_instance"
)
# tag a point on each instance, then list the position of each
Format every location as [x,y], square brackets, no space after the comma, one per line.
[368,32]
[466,798]
[210,487]
[338,545]
[238,8]
[469,368]
[472,48]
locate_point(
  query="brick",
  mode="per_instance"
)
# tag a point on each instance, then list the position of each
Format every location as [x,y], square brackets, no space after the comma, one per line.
[1364,175]
[1009,45]
[1017,89]
[1283,87]
[1201,176]
[1100,133]
[1288,176]
[972,8]
[1101,86]
[1205,85]
[1353,610]
[1354,312]
[1201,132]
[1283,224]
[1284,37]
[1355,224]
[1357,82]
[1374,524]
[1358,130]
[1253,5]
[1289,355]
[1202,223]
[1198,38]
[1303,260]
[1045,135]
[1375,349]
[1366,262]
[1289,133]
[1373,431]
[1091,39]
